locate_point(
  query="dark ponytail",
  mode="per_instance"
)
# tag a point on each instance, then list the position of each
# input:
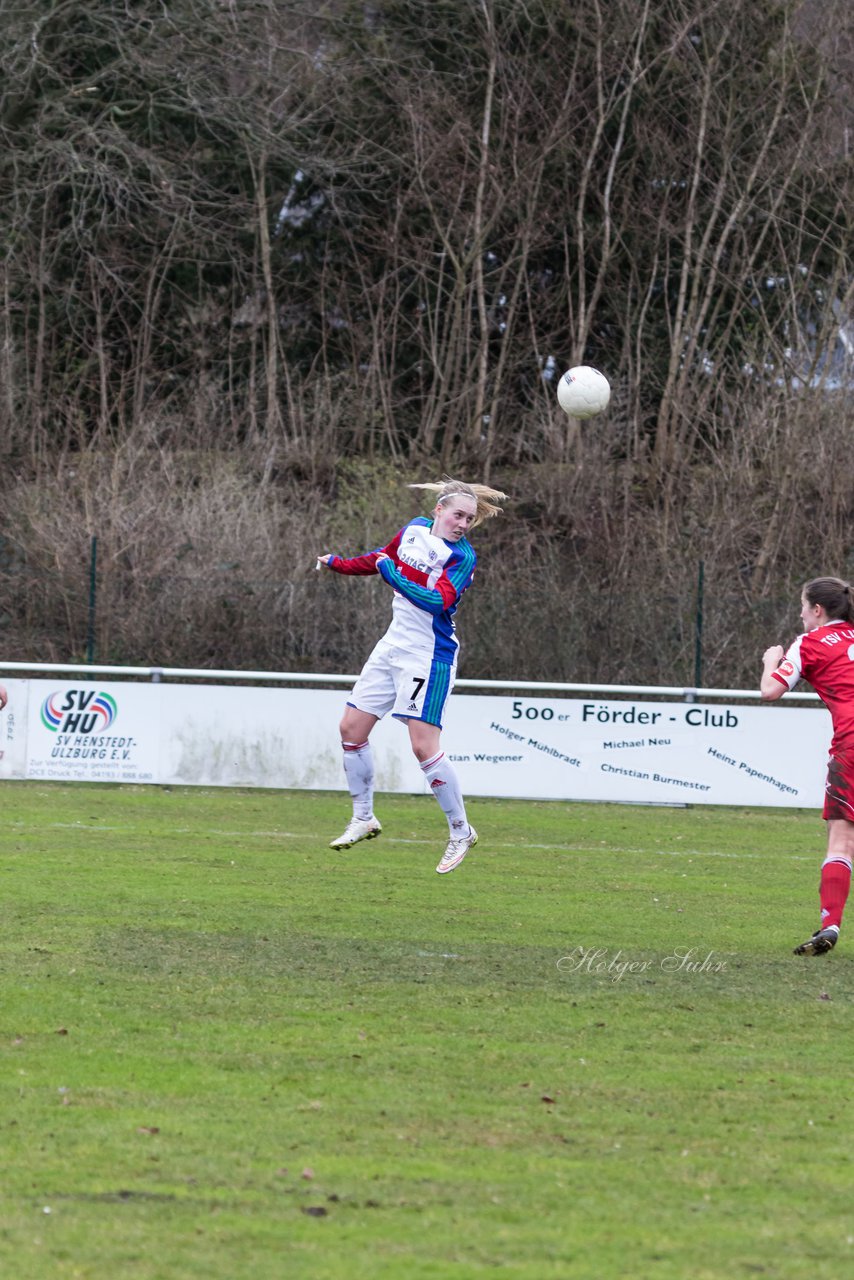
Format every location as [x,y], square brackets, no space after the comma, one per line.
[834,596]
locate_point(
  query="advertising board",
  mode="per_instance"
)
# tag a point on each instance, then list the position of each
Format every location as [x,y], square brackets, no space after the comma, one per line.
[560,748]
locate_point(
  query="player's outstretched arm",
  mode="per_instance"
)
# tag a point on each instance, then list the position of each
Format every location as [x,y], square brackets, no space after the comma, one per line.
[358,565]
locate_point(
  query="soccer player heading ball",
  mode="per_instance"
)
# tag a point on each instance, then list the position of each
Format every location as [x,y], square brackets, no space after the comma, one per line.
[411,671]
[824,655]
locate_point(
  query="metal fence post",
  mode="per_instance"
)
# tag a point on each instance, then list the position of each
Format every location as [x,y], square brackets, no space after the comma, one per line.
[93,563]
[698,629]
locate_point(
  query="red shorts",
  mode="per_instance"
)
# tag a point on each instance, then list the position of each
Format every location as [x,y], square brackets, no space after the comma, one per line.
[839,788]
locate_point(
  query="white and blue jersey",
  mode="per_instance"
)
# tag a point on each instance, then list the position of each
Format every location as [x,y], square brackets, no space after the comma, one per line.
[428,575]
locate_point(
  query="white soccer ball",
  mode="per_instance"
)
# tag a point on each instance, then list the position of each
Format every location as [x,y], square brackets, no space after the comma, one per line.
[583,392]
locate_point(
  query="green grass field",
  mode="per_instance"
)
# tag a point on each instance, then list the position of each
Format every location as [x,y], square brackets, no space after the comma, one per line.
[229,1052]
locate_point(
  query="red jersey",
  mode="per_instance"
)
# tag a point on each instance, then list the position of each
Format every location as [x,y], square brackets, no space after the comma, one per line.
[825,657]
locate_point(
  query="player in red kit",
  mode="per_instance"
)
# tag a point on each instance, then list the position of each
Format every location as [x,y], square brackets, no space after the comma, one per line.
[824,655]
[428,564]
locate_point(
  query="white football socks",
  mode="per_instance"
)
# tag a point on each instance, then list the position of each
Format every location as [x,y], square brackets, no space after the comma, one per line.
[445,785]
[359,772]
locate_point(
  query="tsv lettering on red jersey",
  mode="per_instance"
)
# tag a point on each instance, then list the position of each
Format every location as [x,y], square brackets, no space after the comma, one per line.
[837,637]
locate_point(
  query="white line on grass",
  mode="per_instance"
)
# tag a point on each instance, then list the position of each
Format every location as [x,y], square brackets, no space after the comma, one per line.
[495,844]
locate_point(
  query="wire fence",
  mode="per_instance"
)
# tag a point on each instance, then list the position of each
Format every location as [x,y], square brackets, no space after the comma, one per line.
[218,619]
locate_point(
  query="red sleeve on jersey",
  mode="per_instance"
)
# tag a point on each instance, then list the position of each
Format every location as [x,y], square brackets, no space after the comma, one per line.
[360,565]
[446,590]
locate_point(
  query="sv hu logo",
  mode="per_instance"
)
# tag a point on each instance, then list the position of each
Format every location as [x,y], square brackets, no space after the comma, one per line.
[78,711]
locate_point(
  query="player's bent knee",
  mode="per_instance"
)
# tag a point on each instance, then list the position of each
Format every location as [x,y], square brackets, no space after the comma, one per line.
[356,725]
[424,739]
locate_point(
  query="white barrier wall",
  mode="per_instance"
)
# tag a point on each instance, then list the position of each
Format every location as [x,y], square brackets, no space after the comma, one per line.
[537,748]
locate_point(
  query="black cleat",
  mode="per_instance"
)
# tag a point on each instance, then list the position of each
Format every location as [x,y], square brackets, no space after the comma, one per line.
[822,941]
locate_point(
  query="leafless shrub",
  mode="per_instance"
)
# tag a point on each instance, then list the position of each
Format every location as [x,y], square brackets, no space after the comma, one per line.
[263,263]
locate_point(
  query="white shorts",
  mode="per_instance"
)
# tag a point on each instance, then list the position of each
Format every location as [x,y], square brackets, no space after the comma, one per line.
[409,685]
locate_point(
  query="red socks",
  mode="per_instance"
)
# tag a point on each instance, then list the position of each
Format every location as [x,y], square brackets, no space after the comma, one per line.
[833,889]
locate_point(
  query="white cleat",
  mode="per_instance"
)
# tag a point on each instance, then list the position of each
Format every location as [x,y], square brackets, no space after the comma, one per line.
[357,829]
[456,851]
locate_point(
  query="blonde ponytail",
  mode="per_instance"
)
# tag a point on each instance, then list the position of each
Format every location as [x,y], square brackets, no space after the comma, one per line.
[487,499]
